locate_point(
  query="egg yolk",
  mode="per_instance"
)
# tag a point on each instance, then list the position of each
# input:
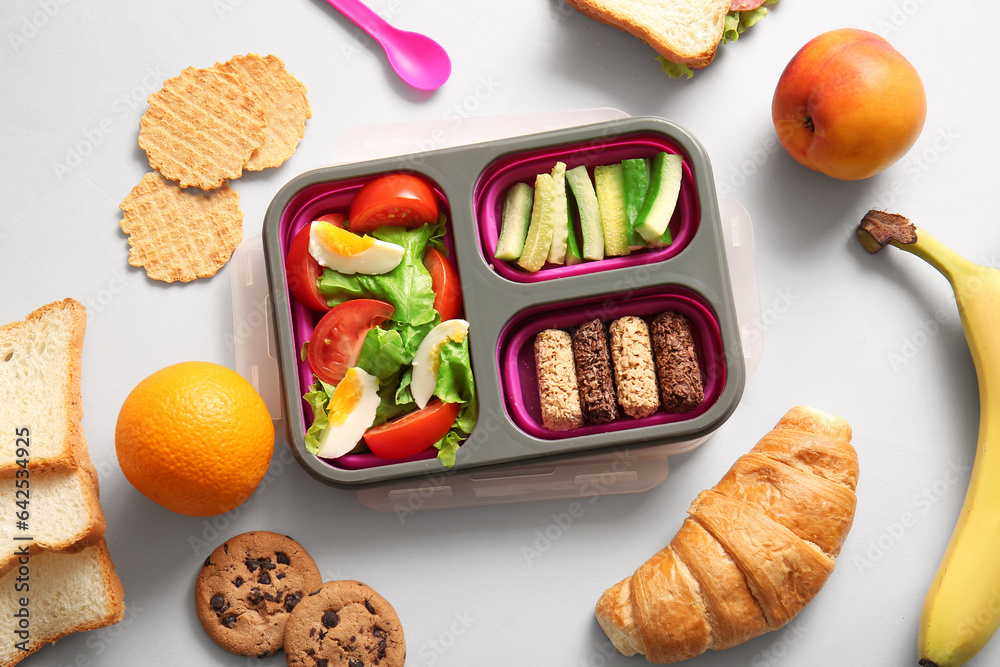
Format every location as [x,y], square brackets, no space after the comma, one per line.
[340,241]
[345,398]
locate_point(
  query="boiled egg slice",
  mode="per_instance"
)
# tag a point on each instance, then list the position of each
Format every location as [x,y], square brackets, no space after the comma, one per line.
[427,360]
[347,252]
[351,412]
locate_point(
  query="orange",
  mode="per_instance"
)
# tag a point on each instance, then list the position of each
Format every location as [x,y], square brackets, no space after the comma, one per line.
[195,437]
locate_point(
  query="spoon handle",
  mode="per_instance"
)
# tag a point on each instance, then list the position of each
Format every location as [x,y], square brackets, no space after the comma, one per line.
[362,16]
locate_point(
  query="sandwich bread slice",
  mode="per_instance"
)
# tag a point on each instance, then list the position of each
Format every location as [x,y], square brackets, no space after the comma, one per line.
[61,593]
[682,31]
[63,509]
[40,404]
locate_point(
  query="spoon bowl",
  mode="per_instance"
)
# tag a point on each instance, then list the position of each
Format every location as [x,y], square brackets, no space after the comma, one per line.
[417,59]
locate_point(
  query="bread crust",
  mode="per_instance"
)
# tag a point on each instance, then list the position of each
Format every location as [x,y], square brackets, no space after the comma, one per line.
[666,25]
[755,550]
[74,446]
[74,619]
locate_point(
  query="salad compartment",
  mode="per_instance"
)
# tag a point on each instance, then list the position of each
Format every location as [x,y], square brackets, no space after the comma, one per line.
[505,307]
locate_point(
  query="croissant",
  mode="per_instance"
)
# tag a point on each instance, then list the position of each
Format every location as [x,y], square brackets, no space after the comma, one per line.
[756,548]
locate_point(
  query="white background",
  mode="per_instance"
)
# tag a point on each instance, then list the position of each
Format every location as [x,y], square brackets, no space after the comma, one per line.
[875,339]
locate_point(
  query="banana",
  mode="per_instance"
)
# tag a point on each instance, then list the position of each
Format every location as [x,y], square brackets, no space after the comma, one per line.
[962,608]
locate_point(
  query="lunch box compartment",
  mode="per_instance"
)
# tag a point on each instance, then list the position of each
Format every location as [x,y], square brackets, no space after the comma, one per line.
[311,203]
[522,167]
[516,358]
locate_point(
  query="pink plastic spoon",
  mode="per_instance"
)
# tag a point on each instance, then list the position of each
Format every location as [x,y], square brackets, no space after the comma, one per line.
[417,59]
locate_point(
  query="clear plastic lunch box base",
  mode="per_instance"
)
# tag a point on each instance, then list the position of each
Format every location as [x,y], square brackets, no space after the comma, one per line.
[626,470]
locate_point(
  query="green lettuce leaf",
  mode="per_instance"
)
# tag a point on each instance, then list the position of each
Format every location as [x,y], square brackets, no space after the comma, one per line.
[317,397]
[674,70]
[455,385]
[408,287]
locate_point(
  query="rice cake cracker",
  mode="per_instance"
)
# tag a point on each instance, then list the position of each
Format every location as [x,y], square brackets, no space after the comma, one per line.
[177,234]
[283,98]
[201,128]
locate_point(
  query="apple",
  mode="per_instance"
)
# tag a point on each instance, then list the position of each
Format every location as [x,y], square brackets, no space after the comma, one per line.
[848,104]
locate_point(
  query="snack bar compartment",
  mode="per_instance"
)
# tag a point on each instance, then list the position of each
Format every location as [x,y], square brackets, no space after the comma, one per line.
[606,149]
[517,365]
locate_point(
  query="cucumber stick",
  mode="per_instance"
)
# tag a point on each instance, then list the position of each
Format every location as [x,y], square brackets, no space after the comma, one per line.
[514,221]
[589,212]
[636,174]
[540,228]
[560,214]
[609,183]
[573,254]
[664,188]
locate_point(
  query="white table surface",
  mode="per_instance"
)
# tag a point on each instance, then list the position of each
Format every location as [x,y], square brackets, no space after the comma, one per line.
[874,339]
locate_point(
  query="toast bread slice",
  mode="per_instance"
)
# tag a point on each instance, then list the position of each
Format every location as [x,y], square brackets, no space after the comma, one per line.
[40,404]
[65,593]
[63,512]
[682,31]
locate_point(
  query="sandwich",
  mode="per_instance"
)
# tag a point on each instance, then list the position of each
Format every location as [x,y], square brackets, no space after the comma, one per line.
[684,33]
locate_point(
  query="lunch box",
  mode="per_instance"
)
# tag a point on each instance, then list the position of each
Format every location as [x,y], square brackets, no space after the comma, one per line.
[707,273]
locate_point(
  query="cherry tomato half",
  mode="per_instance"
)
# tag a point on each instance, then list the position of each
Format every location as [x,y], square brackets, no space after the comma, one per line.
[445,283]
[302,272]
[413,432]
[337,339]
[405,200]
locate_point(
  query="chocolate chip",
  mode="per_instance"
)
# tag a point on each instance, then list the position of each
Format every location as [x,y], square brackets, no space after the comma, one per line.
[225,547]
[282,558]
[369,607]
[218,601]
[322,663]
[266,564]
[252,564]
[208,561]
[228,621]
[355,663]
[380,633]
[238,581]
[255,596]
[291,600]
[330,619]
[264,578]
[280,575]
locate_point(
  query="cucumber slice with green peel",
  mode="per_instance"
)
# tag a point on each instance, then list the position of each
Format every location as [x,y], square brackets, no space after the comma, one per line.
[588,211]
[514,221]
[540,228]
[560,213]
[609,183]
[661,199]
[636,172]
[573,254]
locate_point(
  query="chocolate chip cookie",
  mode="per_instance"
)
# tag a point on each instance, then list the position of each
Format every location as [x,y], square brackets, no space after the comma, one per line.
[344,624]
[249,586]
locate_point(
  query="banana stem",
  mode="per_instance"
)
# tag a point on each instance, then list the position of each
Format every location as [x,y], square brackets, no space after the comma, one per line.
[879,229]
